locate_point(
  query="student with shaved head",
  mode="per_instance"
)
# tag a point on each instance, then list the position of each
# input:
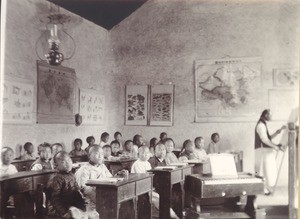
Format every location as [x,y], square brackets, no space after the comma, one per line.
[94,169]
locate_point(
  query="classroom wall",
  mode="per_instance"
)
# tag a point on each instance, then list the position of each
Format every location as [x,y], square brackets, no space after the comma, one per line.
[159,43]
[91,62]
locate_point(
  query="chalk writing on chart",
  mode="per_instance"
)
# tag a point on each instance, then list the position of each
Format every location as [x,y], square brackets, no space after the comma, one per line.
[17,102]
[92,106]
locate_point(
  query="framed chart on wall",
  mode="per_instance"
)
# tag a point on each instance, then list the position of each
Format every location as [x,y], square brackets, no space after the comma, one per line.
[18,101]
[55,94]
[136,105]
[162,105]
[91,107]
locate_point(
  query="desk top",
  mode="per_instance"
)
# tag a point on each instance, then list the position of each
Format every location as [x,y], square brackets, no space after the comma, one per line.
[121,160]
[131,178]
[25,174]
[169,170]
[23,161]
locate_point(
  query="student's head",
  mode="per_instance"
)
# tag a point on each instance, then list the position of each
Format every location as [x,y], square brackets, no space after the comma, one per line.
[106,150]
[78,144]
[7,155]
[153,142]
[90,140]
[188,146]
[265,115]
[62,161]
[138,140]
[169,143]
[28,147]
[105,137]
[46,152]
[144,153]
[118,136]
[115,146]
[128,145]
[96,154]
[56,147]
[215,137]
[199,142]
[160,151]
[163,136]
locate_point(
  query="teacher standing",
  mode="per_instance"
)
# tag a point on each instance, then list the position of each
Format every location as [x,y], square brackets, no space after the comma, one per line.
[265,156]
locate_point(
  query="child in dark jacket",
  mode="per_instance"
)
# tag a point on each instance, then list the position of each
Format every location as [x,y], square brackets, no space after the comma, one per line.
[65,199]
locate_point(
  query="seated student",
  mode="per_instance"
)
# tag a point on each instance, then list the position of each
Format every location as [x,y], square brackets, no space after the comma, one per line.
[199,152]
[56,147]
[138,141]
[162,137]
[153,142]
[91,141]
[65,198]
[6,168]
[213,147]
[118,137]
[44,161]
[106,152]
[28,147]
[170,156]
[95,169]
[115,149]
[128,150]
[187,151]
[104,139]
[77,151]
[159,158]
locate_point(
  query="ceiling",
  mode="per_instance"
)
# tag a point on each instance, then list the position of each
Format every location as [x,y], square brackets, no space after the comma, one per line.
[105,13]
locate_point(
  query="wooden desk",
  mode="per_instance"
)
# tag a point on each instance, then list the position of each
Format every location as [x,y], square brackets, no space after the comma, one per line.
[116,165]
[22,165]
[169,184]
[109,196]
[21,182]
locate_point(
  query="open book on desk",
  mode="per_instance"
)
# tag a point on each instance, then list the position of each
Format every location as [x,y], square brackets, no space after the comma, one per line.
[105,180]
[178,164]
[165,168]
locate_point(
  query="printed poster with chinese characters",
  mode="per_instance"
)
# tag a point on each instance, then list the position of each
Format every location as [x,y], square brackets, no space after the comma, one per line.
[92,106]
[17,102]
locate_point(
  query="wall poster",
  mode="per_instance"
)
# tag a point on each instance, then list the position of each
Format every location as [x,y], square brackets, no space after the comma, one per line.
[91,107]
[136,106]
[56,94]
[17,102]
[288,77]
[162,105]
[227,90]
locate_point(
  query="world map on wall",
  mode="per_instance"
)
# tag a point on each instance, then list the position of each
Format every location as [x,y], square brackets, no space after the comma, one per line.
[227,87]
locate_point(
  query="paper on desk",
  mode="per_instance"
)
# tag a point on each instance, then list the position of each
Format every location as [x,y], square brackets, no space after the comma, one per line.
[165,168]
[108,179]
[178,164]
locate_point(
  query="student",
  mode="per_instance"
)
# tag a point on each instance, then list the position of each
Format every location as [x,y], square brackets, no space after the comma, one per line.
[77,151]
[199,152]
[128,150]
[28,147]
[187,151]
[137,142]
[106,152]
[118,137]
[142,165]
[115,148]
[163,136]
[170,156]
[95,169]
[153,142]
[6,168]
[44,161]
[91,141]
[213,147]
[159,158]
[56,147]
[65,198]
[104,139]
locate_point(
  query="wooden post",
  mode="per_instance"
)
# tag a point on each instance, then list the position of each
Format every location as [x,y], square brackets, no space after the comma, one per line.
[292,170]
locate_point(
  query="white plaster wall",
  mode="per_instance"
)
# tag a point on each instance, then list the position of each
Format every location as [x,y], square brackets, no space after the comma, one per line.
[91,62]
[160,42]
